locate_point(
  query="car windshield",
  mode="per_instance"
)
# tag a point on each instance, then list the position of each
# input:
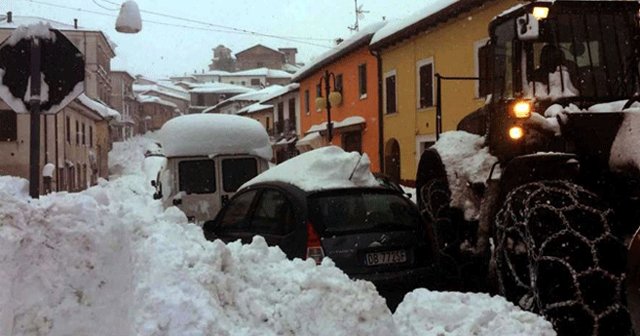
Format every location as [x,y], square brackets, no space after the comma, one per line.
[360,211]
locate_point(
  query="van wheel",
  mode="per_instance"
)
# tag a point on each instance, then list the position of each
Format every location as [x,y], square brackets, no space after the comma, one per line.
[556,256]
[461,268]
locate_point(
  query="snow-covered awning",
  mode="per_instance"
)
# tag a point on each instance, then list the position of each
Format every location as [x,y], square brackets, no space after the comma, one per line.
[310,141]
[349,121]
[105,111]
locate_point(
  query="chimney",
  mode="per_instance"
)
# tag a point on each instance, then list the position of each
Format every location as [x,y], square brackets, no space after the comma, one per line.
[75,23]
[9,17]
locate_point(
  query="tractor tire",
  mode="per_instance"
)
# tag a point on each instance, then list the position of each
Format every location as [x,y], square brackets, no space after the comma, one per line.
[556,256]
[462,268]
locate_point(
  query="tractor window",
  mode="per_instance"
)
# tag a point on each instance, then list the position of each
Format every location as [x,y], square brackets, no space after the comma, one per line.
[503,58]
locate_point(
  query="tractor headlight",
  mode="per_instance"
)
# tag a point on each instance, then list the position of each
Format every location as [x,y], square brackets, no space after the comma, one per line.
[516,133]
[521,109]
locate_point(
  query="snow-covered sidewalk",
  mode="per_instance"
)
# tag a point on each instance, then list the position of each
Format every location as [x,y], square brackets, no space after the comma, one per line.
[111,261]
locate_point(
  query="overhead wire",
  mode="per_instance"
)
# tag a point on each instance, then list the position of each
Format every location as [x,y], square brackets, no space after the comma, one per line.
[222,29]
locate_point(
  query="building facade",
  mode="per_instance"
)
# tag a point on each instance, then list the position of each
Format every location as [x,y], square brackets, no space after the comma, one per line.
[124,100]
[447,42]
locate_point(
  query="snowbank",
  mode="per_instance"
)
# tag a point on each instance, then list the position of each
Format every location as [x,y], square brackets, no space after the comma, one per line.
[467,161]
[452,313]
[111,261]
[322,168]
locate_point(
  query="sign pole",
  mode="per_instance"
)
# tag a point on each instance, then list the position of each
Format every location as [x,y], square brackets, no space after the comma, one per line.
[34,109]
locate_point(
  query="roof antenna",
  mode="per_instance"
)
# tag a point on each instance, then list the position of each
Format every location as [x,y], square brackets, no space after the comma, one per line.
[356,167]
[359,16]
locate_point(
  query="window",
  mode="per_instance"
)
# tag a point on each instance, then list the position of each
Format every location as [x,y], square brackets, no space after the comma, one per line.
[339,83]
[423,142]
[197,176]
[280,123]
[90,136]
[362,80]
[260,64]
[243,83]
[306,101]
[255,82]
[77,132]
[68,130]
[273,215]
[352,142]
[292,115]
[60,184]
[235,172]
[483,68]
[84,137]
[237,210]
[267,126]
[390,92]
[425,82]
[8,125]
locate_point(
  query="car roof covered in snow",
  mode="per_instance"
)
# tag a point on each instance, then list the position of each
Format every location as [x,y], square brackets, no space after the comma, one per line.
[321,169]
[213,134]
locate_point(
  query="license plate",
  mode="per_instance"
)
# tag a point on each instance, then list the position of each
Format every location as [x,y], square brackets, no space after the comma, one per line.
[384,258]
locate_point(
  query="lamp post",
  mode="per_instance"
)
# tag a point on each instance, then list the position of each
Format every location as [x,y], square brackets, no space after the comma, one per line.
[335,98]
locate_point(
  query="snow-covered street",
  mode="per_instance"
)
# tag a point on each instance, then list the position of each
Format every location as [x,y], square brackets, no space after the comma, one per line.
[111,261]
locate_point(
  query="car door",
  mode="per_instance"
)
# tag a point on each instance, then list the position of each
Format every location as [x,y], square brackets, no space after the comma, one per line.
[233,222]
[274,219]
[198,189]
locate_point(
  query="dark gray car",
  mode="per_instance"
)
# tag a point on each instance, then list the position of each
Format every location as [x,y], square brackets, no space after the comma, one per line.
[370,233]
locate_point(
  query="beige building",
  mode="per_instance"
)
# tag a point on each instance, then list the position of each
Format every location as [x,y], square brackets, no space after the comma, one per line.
[153,112]
[124,100]
[75,141]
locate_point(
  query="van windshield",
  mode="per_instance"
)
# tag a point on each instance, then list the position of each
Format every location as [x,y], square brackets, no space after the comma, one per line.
[197,176]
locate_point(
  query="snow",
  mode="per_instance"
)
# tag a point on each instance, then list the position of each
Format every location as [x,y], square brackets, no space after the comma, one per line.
[348,121]
[557,81]
[173,91]
[129,20]
[48,169]
[212,134]
[143,98]
[467,161]
[396,26]
[269,73]
[251,96]
[111,261]
[98,107]
[38,30]
[331,54]
[216,87]
[323,168]
[44,90]
[452,313]
[254,108]
[14,102]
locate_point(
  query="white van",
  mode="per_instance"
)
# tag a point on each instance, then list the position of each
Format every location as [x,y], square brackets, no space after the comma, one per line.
[209,156]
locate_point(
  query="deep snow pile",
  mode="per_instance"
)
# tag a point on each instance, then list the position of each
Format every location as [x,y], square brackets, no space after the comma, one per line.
[111,261]
[467,161]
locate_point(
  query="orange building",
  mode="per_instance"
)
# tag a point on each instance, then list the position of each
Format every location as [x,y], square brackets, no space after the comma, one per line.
[355,120]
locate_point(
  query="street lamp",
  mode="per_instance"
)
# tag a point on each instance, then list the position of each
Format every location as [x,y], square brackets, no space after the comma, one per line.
[335,98]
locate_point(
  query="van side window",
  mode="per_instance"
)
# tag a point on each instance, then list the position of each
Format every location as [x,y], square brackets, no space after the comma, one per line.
[197,176]
[236,214]
[235,172]
[273,215]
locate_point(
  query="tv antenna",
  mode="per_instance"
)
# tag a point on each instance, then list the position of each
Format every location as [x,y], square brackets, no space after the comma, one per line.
[359,16]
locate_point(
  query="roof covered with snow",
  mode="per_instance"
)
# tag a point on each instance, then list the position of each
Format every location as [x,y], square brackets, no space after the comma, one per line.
[348,121]
[320,169]
[261,72]
[174,92]
[436,12]
[251,96]
[17,21]
[217,87]
[148,99]
[257,107]
[98,107]
[212,134]
[358,40]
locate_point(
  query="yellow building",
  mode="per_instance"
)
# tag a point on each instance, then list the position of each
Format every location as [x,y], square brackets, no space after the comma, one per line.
[436,40]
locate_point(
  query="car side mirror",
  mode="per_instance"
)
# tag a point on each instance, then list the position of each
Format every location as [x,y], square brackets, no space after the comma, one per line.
[153,183]
[177,201]
[157,195]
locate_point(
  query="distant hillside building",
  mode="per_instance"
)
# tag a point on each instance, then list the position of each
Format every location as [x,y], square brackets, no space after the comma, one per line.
[222,59]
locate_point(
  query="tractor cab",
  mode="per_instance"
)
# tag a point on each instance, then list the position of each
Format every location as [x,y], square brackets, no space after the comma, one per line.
[573,54]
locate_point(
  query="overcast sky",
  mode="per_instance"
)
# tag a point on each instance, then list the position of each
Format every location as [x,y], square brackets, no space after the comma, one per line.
[162,50]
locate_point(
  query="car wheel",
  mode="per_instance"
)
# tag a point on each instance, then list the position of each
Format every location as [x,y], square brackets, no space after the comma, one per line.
[556,256]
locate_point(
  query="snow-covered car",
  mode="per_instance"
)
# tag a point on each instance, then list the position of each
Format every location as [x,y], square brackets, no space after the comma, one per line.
[338,211]
[208,157]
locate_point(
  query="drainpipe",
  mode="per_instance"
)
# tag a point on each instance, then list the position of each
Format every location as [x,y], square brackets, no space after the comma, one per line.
[380,113]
